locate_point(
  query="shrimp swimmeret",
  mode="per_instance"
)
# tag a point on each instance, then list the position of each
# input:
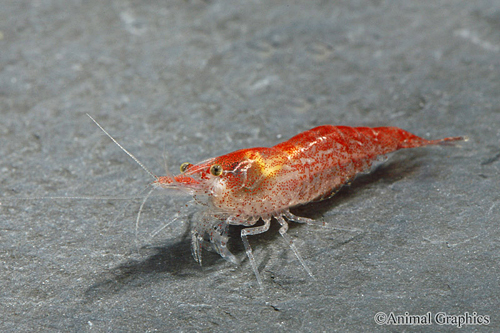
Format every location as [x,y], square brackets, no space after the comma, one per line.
[245,186]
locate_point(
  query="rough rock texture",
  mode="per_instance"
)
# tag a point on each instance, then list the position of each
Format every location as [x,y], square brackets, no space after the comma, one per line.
[195,79]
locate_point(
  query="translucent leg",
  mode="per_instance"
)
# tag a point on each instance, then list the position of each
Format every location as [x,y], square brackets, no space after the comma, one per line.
[219,239]
[182,213]
[248,249]
[288,240]
[226,254]
[196,246]
[246,223]
[299,219]
[158,230]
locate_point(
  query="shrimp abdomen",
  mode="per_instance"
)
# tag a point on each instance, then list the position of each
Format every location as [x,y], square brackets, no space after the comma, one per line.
[331,156]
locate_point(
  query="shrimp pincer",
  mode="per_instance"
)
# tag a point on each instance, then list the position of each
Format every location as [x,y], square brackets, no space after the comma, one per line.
[249,185]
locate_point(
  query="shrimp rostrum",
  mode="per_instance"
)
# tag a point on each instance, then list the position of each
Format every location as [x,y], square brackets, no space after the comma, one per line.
[249,185]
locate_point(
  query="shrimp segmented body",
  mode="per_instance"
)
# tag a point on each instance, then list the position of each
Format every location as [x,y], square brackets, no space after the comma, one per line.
[249,185]
[255,184]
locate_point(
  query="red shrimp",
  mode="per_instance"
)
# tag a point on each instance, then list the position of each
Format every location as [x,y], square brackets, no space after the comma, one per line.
[245,186]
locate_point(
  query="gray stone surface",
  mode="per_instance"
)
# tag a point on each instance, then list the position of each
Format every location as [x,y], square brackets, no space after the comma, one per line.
[196,79]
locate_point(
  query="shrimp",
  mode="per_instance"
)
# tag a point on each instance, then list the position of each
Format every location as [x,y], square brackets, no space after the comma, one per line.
[249,185]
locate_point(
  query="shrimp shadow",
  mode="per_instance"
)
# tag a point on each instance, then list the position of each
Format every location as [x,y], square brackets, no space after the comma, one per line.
[167,259]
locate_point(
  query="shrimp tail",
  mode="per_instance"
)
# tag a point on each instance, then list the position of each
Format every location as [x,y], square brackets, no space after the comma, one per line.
[448,141]
[404,139]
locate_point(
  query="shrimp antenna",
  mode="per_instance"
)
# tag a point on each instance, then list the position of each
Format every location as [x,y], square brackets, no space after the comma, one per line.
[125,150]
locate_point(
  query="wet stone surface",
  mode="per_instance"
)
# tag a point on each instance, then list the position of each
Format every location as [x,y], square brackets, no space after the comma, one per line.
[194,79]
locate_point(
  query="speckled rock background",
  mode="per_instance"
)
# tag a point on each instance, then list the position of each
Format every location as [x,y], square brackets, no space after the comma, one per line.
[195,79]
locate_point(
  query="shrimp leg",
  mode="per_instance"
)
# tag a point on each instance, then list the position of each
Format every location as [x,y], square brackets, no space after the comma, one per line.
[288,240]
[196,245]
[248,249]
[219,240]
[299,219]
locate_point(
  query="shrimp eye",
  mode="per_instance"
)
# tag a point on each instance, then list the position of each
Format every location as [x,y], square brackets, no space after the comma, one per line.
[216,170]
[184,166]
